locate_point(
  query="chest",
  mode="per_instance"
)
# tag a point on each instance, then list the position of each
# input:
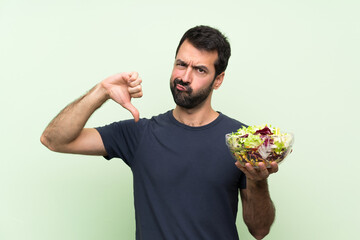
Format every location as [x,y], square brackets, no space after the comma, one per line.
[173,160]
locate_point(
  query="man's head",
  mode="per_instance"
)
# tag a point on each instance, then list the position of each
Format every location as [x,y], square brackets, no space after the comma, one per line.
[209,39]
[200,61]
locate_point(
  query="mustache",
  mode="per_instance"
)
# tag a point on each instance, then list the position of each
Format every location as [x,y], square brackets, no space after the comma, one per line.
[186,85]
[180,82]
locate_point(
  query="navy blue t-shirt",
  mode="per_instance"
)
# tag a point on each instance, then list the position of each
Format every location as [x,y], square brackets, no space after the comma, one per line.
[186,185]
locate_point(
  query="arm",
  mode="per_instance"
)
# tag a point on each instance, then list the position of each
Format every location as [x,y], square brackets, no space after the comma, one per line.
[66,132]
[258,209]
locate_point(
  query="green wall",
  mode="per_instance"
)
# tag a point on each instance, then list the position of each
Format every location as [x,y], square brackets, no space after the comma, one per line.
[294,64]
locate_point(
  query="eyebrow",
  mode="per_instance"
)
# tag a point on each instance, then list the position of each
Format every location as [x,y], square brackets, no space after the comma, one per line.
[193,66]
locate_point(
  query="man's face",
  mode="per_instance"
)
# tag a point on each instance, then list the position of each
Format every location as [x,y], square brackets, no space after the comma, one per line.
[193,75]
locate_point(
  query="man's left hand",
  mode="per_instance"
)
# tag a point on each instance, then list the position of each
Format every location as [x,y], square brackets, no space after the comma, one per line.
[257,174]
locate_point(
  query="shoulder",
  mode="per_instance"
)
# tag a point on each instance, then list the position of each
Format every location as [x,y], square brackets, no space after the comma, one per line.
[230,122]
[141,124]
[159,121]
[163,117]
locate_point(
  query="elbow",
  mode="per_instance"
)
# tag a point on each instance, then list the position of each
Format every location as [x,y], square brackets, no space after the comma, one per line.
[52,144]
[46,142]
[260,233]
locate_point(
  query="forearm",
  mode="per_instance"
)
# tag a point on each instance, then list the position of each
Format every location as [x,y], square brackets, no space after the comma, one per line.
[258,209]
[67,125]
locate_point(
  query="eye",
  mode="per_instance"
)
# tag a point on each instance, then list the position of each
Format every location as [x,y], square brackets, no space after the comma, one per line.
[180,64]
[200,70]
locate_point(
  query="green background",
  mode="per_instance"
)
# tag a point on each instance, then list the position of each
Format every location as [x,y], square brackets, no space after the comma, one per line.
[294,64]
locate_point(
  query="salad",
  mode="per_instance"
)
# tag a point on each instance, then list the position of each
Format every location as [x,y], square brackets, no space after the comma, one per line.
[256,144]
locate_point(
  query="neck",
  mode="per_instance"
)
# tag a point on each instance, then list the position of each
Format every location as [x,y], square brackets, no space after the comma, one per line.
[195,117]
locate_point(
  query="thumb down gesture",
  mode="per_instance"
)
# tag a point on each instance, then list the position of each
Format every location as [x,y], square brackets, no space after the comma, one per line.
[122,87]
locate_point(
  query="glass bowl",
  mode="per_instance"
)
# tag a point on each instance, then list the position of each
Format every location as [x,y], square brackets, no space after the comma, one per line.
[259,154]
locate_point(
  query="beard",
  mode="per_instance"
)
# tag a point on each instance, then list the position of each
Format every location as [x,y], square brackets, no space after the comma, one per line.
[188,99]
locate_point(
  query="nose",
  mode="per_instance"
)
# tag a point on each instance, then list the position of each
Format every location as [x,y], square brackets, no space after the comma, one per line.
[187,75]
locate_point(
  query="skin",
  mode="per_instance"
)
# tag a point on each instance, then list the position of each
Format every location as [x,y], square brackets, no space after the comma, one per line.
[197,69]
[66,132]
[258,209]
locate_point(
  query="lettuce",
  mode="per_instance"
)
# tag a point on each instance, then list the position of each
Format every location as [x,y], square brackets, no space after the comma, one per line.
[253,137]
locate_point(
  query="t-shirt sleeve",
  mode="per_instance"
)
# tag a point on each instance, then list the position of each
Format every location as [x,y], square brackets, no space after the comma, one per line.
[121,139]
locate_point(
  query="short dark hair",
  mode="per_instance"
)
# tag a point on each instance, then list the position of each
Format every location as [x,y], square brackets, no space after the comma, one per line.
[209,39]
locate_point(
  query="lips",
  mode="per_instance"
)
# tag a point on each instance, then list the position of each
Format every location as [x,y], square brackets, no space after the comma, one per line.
[181,87]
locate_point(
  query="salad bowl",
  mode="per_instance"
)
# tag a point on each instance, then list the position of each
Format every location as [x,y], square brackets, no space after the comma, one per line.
[257,144]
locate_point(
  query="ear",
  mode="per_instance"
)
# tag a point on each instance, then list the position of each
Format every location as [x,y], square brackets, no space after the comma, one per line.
[218,80]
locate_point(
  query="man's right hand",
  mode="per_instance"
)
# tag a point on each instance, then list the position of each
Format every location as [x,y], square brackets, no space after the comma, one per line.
[66,132]
[122,87]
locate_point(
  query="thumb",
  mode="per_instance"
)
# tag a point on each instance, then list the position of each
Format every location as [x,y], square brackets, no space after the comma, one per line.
[133,110]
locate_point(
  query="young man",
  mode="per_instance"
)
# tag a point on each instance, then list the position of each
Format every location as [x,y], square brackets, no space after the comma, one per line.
[185,182]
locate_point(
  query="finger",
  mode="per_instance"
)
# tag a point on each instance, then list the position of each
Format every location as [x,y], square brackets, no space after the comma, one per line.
[133,111]
[134,90]
[263,171]
[245,171]
[133,76]
[242,168]
[137,95]
[274,167]
[250,169]
[134,83]
[238,164]
[126,76]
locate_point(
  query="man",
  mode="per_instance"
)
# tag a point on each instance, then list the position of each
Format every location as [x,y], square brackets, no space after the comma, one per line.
[185,182]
